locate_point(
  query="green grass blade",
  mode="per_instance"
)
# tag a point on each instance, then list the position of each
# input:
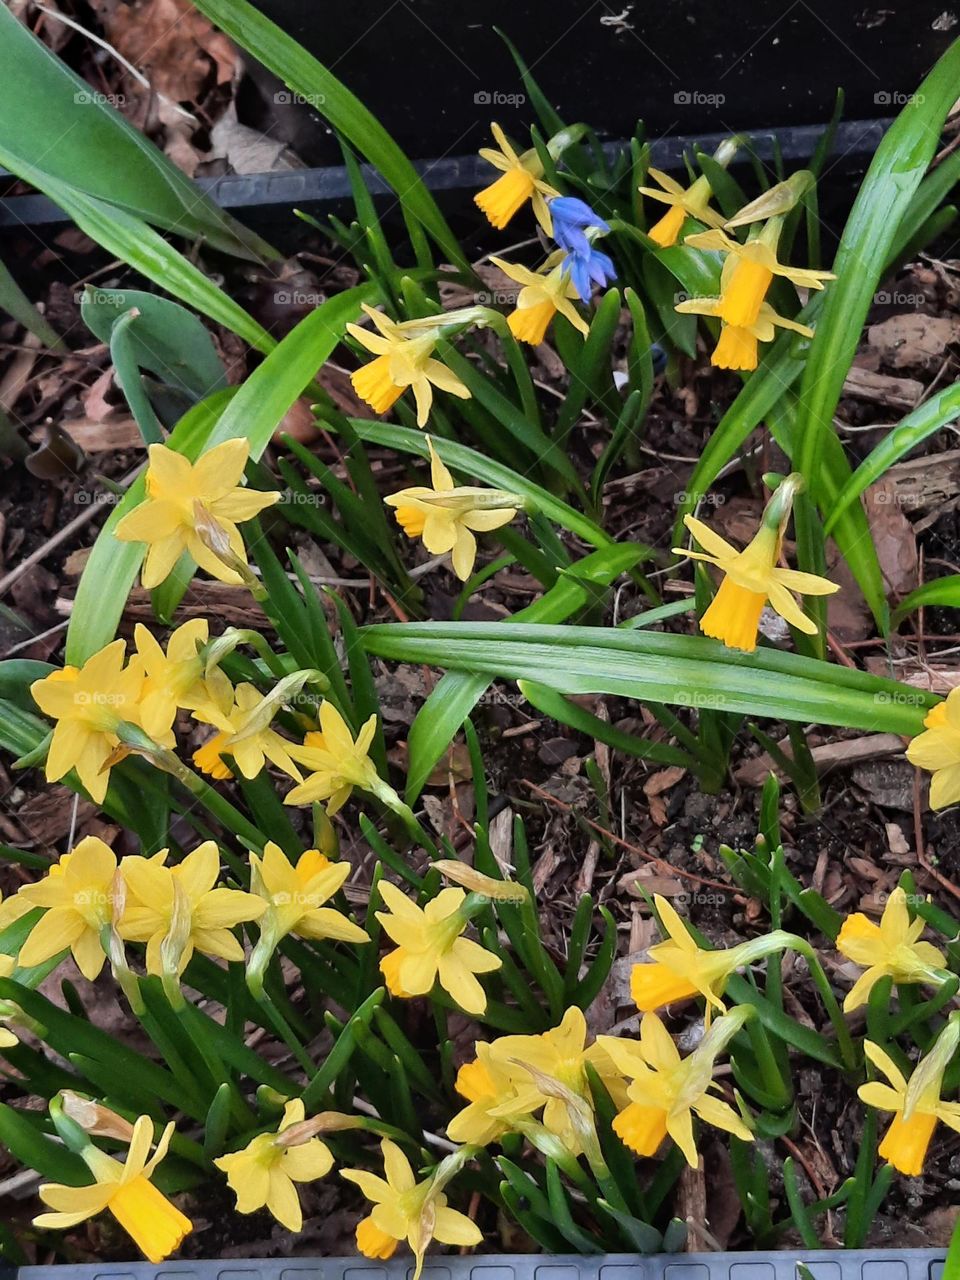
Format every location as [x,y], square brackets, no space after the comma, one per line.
[895,173]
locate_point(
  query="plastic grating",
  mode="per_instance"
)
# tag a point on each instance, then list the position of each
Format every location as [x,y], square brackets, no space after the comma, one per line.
[889,1264]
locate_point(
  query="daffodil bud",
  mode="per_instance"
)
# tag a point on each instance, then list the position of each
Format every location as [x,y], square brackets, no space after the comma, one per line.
[476,882]
[326,1122]
[775,202]
[217,540]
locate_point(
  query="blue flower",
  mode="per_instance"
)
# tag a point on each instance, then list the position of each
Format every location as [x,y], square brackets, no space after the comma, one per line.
[575,225]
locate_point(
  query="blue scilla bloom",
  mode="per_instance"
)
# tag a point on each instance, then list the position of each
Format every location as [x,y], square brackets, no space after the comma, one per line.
[588,269]
[573,219]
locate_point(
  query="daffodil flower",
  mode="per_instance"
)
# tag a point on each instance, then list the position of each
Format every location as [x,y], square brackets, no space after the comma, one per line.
[891,949]
[446,516]
[916,1104]
[89,703]
[522,180]
[295,895]
[177,678]
[684,202]
[404,1209]
[78,895]
[265,1173]
[938,750]
[752,577]
[544,294]
[561,1055]
[679,969]
[490,1088]
[738,345]
[178,910]
[667,1091]
[245,734]
[404,359]
[182,495]
[430,948]
[752,268]
[337,762]
[747,273]
[156,1226]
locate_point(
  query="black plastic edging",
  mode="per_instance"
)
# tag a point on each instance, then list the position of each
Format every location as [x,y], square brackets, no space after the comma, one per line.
[307,188]
[854,1264]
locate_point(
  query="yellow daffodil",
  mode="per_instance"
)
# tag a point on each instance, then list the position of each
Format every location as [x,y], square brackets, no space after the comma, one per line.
[245,734]
[156,1226]
[521,180]
[446,516]
[177,910]
[79,894]
[684,202]
[938,750]
[183,500]
[752,577]
[667,1091]
[265,1173]
[491,1089]
[88,704]
[917,1105]
[336,762]
[679,969]
[738,345]
[750,269]
[430,948]
[404,1209]
[404,359]
[890,949]
[295,895]
[747,273]
[176,678]
[559,1055]
[544,294]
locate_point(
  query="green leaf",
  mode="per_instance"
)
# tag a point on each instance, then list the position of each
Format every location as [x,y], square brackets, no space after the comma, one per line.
[895,173]
[455,696]
[164,338]
[942,591]
[306,76]
[916,427]
[55,126]
[656,667]
[28,1145]
[16,303]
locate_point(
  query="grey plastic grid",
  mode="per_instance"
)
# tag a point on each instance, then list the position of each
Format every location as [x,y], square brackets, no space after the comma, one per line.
[885,1264]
